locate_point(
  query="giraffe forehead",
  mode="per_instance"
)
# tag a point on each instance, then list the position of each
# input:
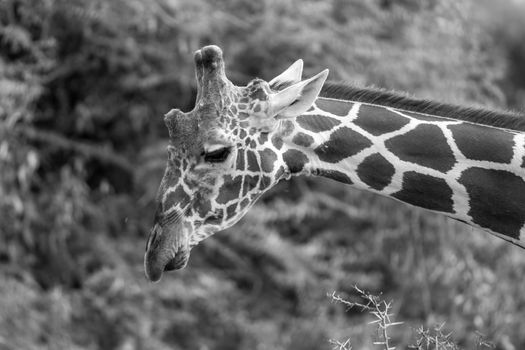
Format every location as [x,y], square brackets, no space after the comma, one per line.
[253,100]
[183,130]
[257,89]
[205,125]
[213,121]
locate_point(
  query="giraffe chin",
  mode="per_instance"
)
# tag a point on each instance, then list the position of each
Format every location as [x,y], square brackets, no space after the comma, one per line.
[155,267]
[160,256]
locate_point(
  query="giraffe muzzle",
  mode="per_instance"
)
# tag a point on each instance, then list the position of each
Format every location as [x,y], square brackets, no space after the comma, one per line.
[167,249]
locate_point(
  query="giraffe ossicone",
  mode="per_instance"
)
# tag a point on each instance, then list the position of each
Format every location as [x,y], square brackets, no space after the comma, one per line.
[238,142]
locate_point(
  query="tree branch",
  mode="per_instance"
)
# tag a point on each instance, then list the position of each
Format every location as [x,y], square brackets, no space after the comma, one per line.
[102,153]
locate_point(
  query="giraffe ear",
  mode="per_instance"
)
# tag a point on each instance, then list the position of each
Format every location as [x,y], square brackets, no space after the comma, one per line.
[298,98]
[290,76]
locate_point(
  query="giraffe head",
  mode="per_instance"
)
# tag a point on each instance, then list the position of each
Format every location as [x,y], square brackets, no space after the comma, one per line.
[222,156]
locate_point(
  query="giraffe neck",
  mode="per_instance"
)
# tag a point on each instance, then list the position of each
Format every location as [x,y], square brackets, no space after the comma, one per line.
[474,173]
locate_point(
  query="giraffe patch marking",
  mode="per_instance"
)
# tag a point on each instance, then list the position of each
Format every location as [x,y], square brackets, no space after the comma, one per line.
[250,182]
[426,191]
[279,173]
[425,145]
[379,121]
[343,143]
[302,139]
[334,175]
[268,158]
[287,128]
[277,142]
[266,181]
[258,94]
[179,196]
[215,219]
[252,161]
[263,137]
[203,207]
[496,199]
[376,171]
[240,161]
[337,107]
[243,115]
[482,143]
[295,160]
[231,210]
[317,123]
[230,189]
[172,173]
[244,203]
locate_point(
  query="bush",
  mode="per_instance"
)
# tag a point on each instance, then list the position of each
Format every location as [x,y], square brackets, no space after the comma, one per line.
[83,86]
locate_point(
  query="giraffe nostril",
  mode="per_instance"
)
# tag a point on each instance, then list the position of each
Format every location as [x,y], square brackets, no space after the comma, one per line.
[179,261]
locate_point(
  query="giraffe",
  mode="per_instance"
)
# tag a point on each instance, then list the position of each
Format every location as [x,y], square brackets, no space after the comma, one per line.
[238,142]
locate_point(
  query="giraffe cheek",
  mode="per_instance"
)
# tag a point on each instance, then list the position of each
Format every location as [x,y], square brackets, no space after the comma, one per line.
[266,182]
[250,182]
[215,218]
[279,174]
[203,207]
[231,211]
[252,162]
[244,204]
[230,190]
[268,159]
[295,160]
[240,161]
[179,196]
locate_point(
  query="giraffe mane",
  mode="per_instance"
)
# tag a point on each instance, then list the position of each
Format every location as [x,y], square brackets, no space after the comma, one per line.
[502,119]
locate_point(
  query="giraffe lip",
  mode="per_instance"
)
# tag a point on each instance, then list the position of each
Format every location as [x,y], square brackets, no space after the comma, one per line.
[154,268]
[167,250]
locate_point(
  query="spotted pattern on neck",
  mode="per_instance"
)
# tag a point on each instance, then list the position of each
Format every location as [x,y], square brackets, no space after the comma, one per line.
[470,172]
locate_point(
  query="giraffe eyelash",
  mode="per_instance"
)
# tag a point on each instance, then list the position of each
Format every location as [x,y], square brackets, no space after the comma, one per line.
[218,155]
[214,147]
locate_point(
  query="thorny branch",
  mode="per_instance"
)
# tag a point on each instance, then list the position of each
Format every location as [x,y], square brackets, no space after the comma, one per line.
[376,307]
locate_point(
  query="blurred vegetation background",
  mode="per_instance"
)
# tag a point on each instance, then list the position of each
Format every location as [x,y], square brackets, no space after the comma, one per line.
[83,87]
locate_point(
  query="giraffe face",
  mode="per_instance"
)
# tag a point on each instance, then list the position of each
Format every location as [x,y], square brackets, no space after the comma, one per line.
[222,156]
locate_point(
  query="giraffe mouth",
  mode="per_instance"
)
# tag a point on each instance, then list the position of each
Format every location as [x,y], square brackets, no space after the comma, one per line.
[167,250]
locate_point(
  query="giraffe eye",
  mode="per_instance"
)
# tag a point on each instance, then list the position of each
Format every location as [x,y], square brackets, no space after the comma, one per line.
[218,155]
